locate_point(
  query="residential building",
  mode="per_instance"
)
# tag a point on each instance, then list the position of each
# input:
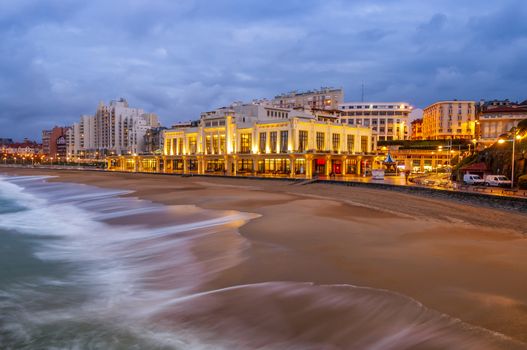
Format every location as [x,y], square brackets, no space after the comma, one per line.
[323,98]
[55,141]
[259,139]
[154,140]
[388,119]
[497,118]
[120,129]
[449,120]
[116,128]
[82,143]
[417,129]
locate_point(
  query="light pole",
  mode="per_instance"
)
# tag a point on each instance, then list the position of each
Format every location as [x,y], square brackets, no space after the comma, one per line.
[514,137]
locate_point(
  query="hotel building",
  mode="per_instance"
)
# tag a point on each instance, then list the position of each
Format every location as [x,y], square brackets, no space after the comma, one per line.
[388,119]
[114,129]
[258,139]
[499,117]
[449,120]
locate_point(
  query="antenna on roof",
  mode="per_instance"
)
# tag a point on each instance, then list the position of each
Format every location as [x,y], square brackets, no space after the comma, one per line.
[362,93]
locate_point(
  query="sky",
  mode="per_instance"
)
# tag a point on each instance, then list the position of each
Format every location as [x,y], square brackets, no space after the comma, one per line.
[177,58]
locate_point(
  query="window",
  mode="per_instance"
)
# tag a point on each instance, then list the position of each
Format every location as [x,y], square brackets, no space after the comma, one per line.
[208,144]
[364,144]
[192,144]
[320,141]
[284,135]
[216,144]
[263,140]
[222,144]
[382,121]
[351,143]
[302,140]
[245,143]
[336,142]
[180,146]
[351,121]
[273,135]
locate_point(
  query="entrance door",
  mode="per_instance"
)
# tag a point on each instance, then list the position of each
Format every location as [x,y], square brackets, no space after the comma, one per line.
[337,167]
[319,166]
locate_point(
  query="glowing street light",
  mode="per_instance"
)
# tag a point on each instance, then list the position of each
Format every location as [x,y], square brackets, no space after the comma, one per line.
[515,137]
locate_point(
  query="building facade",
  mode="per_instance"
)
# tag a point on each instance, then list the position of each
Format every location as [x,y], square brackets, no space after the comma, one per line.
[417,129]
[388,119]
[499,120]
[258,139]
[324,98]
[55,141]
[115,129]
[449,120]
[154,140]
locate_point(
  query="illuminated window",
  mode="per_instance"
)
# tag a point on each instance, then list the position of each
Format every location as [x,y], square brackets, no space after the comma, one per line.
[336,142]
[320,141]
[284,139]
[351,142]
[263,140]
[245,143]
[273,139]
[302,140]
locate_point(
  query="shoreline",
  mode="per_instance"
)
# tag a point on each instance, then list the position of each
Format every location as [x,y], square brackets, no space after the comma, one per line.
[459,259]
[480,198]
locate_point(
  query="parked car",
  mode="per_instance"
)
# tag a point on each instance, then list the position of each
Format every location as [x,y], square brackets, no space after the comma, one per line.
[473,179]
[497,181]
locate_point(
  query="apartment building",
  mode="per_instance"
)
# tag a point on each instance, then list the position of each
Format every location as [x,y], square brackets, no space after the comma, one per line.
[449,120]
[417,129]
[499,117]
[388,119]
[115,128]
[323,98]
[55,141]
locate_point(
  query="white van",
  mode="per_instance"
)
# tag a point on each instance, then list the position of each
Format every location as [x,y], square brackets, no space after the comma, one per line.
[472,179]
[497,181]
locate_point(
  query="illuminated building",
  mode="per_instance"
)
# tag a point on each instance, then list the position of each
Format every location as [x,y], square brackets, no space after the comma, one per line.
[324,98]
[417,129]
[259,139]
[388,119]
[497,119]
[449,120]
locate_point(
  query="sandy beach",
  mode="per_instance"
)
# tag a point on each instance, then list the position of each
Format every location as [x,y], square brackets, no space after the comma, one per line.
[466,261]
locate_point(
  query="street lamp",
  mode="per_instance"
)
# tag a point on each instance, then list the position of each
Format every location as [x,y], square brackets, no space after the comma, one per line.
[514,138]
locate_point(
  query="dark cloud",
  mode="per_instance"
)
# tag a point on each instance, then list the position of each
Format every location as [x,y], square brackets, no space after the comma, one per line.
[59,58]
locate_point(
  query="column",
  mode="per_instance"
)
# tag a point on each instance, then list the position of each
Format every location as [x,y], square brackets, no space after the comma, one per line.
[309,167]
[329,166]
[201,165]
[185,165]
[343,165]
[228,165]
[292,166]
[359,165]
[158,165]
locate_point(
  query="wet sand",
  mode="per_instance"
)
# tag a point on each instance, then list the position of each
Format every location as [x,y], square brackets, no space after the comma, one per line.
[463,260]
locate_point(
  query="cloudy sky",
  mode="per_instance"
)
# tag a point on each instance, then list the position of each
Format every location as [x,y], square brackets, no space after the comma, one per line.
[59,58]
